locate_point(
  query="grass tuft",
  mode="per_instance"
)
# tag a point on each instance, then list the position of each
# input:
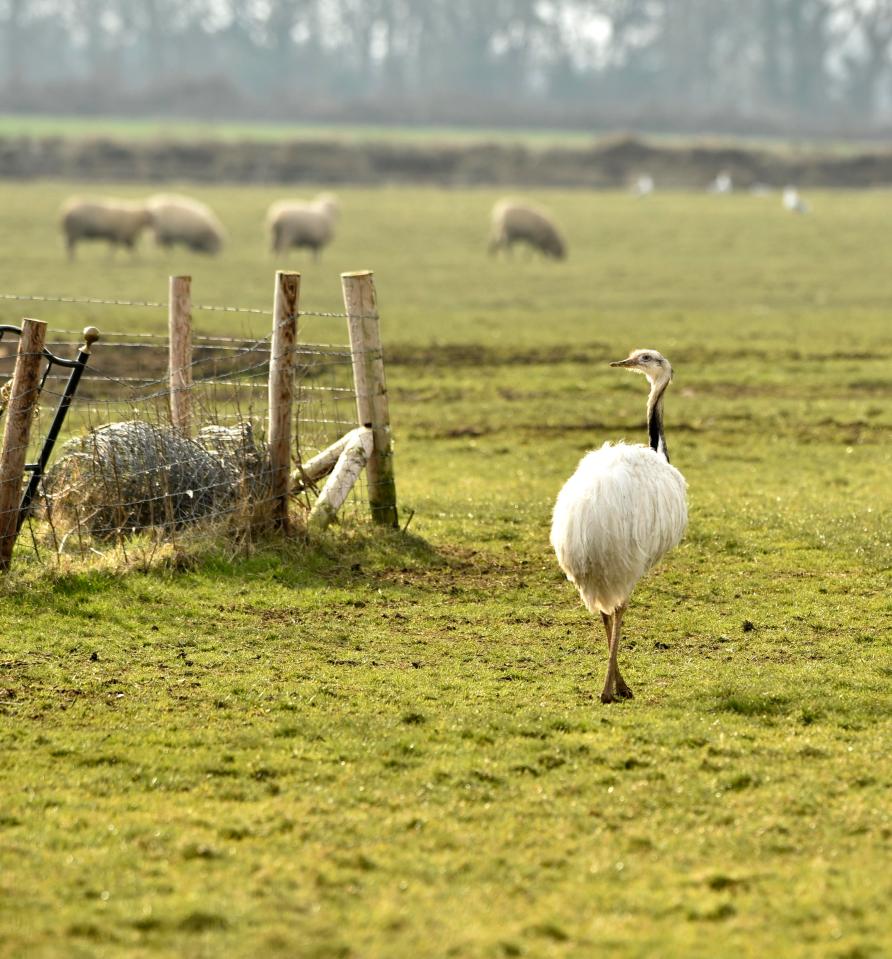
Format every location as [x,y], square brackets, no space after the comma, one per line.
[747,703]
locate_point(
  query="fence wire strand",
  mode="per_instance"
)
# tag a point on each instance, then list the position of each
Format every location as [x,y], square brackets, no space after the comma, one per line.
[157,305]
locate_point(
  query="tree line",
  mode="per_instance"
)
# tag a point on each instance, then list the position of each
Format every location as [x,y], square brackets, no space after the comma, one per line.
[761,65]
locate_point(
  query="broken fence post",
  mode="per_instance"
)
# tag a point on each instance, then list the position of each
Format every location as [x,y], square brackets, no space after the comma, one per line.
[320,465]
[354,456]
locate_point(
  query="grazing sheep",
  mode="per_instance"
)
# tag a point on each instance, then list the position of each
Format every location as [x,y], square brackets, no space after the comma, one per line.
[184,221]
[516,222]
[643,186]
[723,183]
[103,218]
[792,201]
[296,223]
[329,203]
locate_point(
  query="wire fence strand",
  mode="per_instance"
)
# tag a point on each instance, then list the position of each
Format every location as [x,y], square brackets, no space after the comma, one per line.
[158,305]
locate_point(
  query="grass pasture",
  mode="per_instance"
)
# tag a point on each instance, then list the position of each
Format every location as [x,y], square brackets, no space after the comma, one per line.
[188,131]
[393,747]
[179,130]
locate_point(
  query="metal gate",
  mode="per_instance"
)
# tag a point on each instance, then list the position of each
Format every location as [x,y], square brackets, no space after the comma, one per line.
[77,365]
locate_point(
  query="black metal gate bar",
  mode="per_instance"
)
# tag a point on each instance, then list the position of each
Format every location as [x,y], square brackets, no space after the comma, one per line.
[91,335]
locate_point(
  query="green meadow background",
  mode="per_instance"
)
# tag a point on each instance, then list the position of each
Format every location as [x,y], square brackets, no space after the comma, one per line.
[391,744]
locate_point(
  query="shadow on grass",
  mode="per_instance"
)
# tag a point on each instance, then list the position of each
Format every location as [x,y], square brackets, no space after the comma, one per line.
[339,557]
[748,703]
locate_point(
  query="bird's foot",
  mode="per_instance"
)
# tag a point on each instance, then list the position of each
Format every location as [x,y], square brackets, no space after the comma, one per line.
[623,691]
[607,696]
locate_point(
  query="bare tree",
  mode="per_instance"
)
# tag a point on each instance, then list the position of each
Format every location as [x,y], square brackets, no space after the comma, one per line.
[866,64]
[795,63]
[12,27]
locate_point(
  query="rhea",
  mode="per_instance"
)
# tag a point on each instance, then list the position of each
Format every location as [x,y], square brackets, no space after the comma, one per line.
[622,510]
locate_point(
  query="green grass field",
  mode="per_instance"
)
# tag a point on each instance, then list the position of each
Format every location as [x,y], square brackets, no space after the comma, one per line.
[393,746]
[78,127]
[188,130]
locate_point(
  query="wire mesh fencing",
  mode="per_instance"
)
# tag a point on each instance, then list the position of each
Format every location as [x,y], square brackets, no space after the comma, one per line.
[121,473]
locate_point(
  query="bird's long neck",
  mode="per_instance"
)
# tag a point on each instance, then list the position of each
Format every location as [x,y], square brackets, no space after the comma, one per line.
[655,419]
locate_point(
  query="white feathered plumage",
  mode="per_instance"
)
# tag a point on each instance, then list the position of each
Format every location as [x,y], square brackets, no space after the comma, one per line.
[618,514]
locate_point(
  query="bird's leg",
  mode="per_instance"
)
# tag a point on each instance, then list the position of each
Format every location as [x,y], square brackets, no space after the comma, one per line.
[607,694]
[612,687]
[622,690]
[621,687]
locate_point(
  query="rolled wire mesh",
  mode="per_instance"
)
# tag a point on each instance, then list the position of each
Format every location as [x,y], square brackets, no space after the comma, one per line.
[119,467]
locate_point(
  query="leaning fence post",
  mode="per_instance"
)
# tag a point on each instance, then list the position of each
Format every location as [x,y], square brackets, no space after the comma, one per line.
[371,391]
[24,393]
[180,333]
[281,390]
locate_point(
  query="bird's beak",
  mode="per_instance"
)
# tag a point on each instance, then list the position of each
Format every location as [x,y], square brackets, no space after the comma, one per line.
[627,362]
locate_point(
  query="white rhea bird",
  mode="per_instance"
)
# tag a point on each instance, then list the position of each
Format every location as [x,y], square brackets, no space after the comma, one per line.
[618,514]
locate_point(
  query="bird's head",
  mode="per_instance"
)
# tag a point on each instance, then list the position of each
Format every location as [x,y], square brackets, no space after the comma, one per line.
[652,364]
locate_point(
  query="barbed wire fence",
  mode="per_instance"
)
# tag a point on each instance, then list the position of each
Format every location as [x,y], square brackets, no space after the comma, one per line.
[171,433]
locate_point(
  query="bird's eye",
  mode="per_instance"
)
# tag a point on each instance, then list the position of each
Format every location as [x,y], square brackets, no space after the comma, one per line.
[646,357]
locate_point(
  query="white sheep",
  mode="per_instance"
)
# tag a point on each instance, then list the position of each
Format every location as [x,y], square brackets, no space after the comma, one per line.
[643,185]
[328,202]
[119,222]
[297,223]
[515,221]
[792,201]
[184,221]
[723,183]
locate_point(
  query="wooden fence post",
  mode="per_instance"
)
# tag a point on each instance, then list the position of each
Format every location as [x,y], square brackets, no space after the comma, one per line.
[180,363]
[16,433]
[371,391]
[281,391]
